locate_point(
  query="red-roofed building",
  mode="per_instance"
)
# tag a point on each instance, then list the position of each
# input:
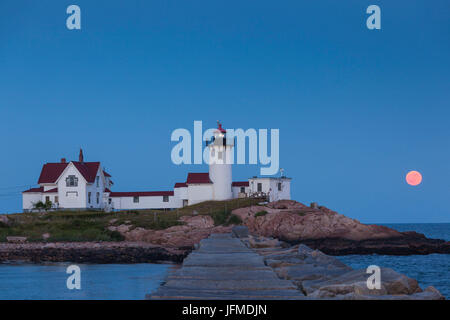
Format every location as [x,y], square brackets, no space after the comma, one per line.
[70,185]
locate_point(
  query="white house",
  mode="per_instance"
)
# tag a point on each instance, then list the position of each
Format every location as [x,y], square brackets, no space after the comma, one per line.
[85,185]
[70,185]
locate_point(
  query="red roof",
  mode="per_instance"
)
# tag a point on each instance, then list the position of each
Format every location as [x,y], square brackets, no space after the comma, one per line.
[240,184]
[40,189]
[52,171]
[141,194]
[87,169]
[201,177]
[180,185]
[106,174]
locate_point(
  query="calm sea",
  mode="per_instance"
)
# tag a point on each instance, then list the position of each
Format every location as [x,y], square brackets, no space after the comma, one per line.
[98,281]
[134,281]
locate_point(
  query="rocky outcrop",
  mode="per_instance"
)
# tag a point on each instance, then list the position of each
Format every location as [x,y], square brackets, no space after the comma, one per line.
[331,232]
[194,229]
[89,252]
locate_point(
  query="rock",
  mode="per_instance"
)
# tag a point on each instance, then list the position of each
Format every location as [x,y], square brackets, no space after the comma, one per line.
[16,239]
[263,242]
[355,282]
[199,221]
[122,228]
[304,251]
[89,252]
[344,291]
[429,293]
[240,231]
[4,219]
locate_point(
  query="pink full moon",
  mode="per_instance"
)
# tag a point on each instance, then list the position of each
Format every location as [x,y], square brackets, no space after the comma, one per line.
[413,178]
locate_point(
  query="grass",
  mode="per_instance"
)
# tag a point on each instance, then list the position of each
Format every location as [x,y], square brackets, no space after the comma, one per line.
[72,226]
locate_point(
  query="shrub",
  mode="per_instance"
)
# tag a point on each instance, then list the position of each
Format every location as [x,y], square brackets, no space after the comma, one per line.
[261,213]
[116,236]
[234,219]
[220,217]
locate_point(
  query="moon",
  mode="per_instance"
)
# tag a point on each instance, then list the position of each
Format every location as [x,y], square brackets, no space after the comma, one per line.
[413,178]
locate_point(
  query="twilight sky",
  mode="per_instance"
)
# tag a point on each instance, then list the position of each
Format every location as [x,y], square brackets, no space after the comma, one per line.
[357,109]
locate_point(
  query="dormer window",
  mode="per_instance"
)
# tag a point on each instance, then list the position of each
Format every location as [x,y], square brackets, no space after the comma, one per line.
[97,179]
[72,181]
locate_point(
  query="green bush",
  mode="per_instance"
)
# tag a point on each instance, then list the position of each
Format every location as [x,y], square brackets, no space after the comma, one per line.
[220,217]
[261,213]
[234,219]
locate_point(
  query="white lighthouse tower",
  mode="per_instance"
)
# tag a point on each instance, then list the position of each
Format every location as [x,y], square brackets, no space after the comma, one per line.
[220,160]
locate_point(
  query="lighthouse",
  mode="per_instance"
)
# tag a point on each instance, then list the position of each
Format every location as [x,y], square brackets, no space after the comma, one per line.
[220,160]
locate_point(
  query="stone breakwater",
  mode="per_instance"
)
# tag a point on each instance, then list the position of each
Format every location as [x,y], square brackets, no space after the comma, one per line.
[90,252]
[241,266]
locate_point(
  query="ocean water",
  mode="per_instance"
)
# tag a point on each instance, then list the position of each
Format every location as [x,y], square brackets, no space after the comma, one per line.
[134,281]
[98,281]
[428,270]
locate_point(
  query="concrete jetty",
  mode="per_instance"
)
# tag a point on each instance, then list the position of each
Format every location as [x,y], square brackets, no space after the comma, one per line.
[223,267]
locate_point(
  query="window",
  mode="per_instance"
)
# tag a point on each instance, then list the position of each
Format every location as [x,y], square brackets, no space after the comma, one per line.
[242,189]
[259,187]
[165,198]
[136,199]
[56,199]
[97,179]
[71,181]
[279,186]
[109,201]
[98,197]
[219,155]
[47,199]
[89,197]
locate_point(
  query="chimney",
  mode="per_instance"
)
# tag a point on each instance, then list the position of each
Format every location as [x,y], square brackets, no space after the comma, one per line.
[63,160]
[80,157]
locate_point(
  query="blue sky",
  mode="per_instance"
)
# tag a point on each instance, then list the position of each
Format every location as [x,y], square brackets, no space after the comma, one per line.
[357,109]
